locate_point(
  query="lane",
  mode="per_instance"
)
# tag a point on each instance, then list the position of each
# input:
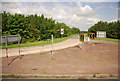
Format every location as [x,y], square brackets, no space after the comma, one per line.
[37,49]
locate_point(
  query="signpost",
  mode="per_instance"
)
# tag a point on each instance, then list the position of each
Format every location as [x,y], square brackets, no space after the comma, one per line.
[101,34]
[91,36]
[9,39]
[62,32]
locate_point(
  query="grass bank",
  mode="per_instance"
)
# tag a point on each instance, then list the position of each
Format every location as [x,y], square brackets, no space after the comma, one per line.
[82,76]
[108,39]
[38,43]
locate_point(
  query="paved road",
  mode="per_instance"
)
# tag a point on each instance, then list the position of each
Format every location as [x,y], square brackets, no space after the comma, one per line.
[37,49]
[73,41]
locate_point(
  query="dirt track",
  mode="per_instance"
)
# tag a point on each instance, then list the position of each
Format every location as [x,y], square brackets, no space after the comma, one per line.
[92,59]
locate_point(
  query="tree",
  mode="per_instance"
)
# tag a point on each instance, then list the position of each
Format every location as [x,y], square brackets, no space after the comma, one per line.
[33,27]
[111,28]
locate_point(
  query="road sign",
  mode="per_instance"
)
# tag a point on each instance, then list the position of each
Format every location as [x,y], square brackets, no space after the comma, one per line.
[82,37]
[101,34]
[10,38]
[91,36]
[62,31]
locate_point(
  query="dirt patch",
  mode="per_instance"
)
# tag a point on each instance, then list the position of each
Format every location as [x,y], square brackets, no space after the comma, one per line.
[94,58]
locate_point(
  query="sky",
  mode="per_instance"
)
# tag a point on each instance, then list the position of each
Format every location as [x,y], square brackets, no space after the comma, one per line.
[73,13]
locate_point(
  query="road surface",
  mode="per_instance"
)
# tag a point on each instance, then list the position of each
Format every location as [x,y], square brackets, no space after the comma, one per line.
[37,49]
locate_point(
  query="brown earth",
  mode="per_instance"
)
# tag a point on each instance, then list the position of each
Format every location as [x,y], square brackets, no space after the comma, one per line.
[92,59]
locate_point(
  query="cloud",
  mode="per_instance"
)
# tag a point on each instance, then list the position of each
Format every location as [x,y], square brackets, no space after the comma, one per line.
[100,7]
[113,20]
[73,14]
[60,1]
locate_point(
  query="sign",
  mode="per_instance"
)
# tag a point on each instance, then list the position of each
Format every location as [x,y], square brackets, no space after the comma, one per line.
[91,36]
[101,34]
[62,31]
[10,38]
[82,37]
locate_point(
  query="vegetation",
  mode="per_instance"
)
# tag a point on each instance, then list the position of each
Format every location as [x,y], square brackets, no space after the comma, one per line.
[33,27]
[36,76]
[84,32]
[112,29]
[36,43]
[108,39]
[12,76]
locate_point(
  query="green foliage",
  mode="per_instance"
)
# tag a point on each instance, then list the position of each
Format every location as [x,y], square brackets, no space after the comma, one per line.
[33,27]
[36,43]
[84,32]
[11,76]
[112,29]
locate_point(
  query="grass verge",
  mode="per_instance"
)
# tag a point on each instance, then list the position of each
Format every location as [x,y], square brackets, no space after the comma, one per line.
[36,76]
[86,76]
[11,76]
[37,43]
[108,39]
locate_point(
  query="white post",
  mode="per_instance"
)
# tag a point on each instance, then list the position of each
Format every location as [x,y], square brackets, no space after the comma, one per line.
[52,44]
[19,45]
[6,49]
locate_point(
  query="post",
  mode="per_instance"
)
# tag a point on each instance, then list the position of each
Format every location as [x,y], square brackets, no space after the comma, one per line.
[61,35]
[62,32]
[19,45]
[52,45]
[6,49]
[81,40]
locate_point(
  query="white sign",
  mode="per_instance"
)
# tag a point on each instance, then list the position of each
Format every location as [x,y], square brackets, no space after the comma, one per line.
[10,38]
[101,34]
[62,31]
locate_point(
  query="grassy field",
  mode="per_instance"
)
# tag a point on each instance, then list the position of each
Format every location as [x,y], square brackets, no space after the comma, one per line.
[108,39]
[37,43]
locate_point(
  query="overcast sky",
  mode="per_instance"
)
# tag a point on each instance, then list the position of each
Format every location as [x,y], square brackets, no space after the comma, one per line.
[71,12]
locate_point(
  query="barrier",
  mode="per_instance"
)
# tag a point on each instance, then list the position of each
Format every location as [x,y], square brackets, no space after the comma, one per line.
[81,40]
[9,39]
[92,36]
[81,37]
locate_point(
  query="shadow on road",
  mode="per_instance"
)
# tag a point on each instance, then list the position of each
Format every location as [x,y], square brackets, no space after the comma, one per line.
[21,56]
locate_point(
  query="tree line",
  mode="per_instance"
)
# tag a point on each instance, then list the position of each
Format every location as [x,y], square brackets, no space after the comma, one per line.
[33,27]
[112,28]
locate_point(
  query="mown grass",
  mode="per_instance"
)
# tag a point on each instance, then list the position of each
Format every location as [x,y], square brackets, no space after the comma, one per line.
[39,76]
[108,39]
[37,43]
[62,76]
[11,76]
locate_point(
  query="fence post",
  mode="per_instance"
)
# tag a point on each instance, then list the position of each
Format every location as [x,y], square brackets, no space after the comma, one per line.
[19,45]
[6,48]
[52,46]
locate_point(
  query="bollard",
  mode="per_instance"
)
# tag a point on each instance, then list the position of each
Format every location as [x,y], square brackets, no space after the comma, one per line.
[52,53]
[81,40]
[91,36]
